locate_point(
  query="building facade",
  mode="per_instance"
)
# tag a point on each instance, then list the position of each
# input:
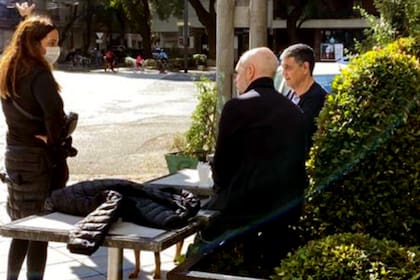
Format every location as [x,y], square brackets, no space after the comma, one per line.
[329,29]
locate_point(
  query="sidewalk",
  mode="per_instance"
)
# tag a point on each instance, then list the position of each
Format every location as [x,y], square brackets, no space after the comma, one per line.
[64,265]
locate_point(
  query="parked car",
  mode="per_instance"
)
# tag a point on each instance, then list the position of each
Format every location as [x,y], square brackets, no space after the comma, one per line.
[324,73]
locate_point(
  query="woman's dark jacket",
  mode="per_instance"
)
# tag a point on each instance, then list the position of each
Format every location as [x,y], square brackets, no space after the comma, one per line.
[103,201]
[36,94]
[34,168]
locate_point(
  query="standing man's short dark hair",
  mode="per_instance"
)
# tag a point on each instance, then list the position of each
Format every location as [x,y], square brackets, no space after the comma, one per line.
[298,62]
[302,53]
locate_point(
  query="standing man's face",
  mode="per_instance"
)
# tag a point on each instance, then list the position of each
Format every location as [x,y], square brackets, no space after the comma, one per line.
[294,73]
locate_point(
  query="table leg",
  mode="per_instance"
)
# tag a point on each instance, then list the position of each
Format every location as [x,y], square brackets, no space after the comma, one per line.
[157,266]
[115,259]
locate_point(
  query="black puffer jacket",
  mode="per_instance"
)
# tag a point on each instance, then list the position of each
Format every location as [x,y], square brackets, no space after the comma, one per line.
[104,200]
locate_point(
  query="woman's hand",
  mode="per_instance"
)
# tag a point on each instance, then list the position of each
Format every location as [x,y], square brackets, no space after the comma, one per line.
[24,9]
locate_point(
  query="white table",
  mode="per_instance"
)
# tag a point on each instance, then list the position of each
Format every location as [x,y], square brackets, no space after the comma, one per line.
[186,179]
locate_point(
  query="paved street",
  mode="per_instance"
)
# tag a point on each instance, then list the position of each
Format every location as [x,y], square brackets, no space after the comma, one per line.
[126,124]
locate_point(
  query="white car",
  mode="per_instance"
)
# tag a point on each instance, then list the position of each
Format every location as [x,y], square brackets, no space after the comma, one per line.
[324,73]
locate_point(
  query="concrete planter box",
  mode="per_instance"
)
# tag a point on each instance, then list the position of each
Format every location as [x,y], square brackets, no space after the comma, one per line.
[189,270]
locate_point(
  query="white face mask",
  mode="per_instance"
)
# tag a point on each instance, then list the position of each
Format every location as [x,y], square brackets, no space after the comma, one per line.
[51,54]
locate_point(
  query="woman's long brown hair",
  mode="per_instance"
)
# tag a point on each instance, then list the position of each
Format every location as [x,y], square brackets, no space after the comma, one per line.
[23,53]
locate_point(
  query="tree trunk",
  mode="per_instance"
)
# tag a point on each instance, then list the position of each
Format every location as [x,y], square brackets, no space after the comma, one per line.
[145,30]
[88,20]
[121,20]
[145,33]
[68,26]
[211,33]
[208,19]
[291,24]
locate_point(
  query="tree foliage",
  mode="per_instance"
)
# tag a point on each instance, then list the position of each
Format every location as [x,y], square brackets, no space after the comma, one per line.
[139,13]
[398,18]
[166,8]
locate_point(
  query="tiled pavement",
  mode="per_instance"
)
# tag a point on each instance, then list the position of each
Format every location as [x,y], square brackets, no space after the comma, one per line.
[63,265]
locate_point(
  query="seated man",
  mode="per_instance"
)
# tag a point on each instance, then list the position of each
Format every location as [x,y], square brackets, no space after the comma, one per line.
[259,165]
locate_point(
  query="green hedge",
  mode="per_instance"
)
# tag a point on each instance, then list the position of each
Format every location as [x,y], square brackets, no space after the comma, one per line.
[351,256]
[201,136]
[364,166]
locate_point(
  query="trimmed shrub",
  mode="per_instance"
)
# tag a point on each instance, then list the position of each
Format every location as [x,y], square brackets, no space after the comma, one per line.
[175,64]
[201,136]
[364,167]
[200,59]
[408,46]
[350,256]
[149,63]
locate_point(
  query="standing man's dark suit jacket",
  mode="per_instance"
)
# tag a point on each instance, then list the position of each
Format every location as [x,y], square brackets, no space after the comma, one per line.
[259,162]
[311,103]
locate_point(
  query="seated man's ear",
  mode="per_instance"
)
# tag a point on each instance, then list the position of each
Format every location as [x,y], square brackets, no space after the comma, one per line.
[250,72]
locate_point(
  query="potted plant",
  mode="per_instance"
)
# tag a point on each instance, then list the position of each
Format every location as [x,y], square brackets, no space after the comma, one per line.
[200,60]
[199,140]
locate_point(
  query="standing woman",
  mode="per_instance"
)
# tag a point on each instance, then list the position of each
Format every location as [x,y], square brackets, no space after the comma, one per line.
[37,140]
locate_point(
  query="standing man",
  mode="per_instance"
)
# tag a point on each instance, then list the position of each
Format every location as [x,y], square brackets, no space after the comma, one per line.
[259,164]
[298,62]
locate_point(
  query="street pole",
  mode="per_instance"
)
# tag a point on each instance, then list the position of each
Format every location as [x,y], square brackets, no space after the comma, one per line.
[186,41]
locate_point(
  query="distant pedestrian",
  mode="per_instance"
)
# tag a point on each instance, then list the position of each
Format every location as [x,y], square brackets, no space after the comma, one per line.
[109,60]
[139,63]
[162,61]
[95,54]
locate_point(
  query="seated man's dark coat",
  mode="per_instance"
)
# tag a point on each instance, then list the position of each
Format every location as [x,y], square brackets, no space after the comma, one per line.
[259,162]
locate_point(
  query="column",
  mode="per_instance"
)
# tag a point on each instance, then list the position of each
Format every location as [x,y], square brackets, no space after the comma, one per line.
[225,11]
[258,10]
